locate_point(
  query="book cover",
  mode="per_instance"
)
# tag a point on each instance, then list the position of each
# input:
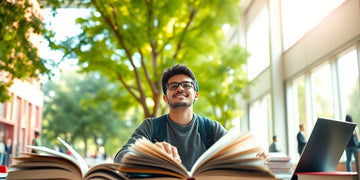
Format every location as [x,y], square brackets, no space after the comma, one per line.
[336,175]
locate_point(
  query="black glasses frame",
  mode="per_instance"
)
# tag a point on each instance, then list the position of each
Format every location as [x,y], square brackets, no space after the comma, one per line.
[175,85]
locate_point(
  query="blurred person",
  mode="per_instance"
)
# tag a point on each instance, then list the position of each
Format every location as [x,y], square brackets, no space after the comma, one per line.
[36,141]
[274,146]
[301,138]
[2,150]
[8,152]
[352,147]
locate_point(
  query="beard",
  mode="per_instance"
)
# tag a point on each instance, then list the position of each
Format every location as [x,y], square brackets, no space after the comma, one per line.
[179,104]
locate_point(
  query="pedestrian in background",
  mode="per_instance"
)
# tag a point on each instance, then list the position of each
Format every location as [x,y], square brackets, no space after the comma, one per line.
[352,147]
[301,138]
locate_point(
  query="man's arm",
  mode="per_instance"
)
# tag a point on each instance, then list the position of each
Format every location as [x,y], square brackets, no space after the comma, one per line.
[143,130]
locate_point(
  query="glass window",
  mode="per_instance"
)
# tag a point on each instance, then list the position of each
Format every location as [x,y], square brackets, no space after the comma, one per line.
[300,16]
[25,118]
[349,85]
[260,113]
[37,117]
[322,92]
[258,44]
[33,115]
[300,100]
[297,109]
[2,109]
[16,108]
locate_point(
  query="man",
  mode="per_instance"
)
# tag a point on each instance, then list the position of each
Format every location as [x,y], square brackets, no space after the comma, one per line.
[301,138]
[182,140]
[274,147]
[351,148]
[2,149]
[8,152]
[36,141]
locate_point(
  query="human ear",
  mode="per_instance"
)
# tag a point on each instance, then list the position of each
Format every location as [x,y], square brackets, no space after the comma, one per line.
[165,98]
[196,96]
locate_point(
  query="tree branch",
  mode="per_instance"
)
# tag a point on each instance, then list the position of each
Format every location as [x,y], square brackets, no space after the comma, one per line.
[116,30]
[191,17]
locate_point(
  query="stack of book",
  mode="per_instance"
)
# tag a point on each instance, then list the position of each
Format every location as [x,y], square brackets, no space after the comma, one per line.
[279,163]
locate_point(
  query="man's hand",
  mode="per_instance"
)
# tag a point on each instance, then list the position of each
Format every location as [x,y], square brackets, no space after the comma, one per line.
[262,155]
[168,148]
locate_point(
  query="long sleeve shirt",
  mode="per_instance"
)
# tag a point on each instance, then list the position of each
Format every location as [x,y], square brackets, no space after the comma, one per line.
[186,139]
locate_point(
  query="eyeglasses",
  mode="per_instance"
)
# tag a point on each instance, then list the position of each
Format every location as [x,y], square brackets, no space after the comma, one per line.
[174,85]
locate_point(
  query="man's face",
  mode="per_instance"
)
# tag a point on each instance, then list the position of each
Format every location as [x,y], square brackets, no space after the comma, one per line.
[302,128]
[181,96]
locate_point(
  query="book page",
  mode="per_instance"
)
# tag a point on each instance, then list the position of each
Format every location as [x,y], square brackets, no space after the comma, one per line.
[229,137]
[148,158]
[52,152]
[77,159]
[104,171]
[28,160]
[234,153]
[81,161]
[41,173]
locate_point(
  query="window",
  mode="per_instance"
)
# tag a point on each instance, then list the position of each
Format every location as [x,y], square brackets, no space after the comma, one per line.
[349,85]
[25,118]
[260,113]
[32,115]
[300,99]
[322,92]
[258,44]
[16,107]
[297,108]
[300,16]
[2,110]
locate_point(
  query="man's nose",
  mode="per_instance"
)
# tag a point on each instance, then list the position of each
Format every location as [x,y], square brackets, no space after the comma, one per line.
[180,88]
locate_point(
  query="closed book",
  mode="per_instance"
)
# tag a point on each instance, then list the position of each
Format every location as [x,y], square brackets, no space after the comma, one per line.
[336,175]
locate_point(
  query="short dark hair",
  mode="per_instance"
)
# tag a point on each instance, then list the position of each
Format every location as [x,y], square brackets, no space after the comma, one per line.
[348,118]
[274,137]
[175,70]
[37,133]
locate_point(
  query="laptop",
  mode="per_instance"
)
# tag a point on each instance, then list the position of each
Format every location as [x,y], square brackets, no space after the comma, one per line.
[325,146]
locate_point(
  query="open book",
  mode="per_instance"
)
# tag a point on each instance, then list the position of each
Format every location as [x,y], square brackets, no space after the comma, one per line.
[51,164]
[234,156]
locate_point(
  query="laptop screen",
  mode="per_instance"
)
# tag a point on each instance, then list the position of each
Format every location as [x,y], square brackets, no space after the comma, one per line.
[325,146]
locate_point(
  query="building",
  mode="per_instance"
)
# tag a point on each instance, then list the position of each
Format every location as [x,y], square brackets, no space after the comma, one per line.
[21,116]
[304,64]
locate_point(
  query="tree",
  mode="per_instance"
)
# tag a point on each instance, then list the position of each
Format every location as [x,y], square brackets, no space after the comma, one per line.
[72,111]
[223,83]
[18,55]
[131,42]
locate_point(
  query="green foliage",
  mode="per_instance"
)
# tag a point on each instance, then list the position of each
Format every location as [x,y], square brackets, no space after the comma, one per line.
[18,56]
[221,84]
[132,42]
[74,111]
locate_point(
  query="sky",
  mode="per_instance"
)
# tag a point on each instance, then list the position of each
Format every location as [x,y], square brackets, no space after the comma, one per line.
[64,26]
